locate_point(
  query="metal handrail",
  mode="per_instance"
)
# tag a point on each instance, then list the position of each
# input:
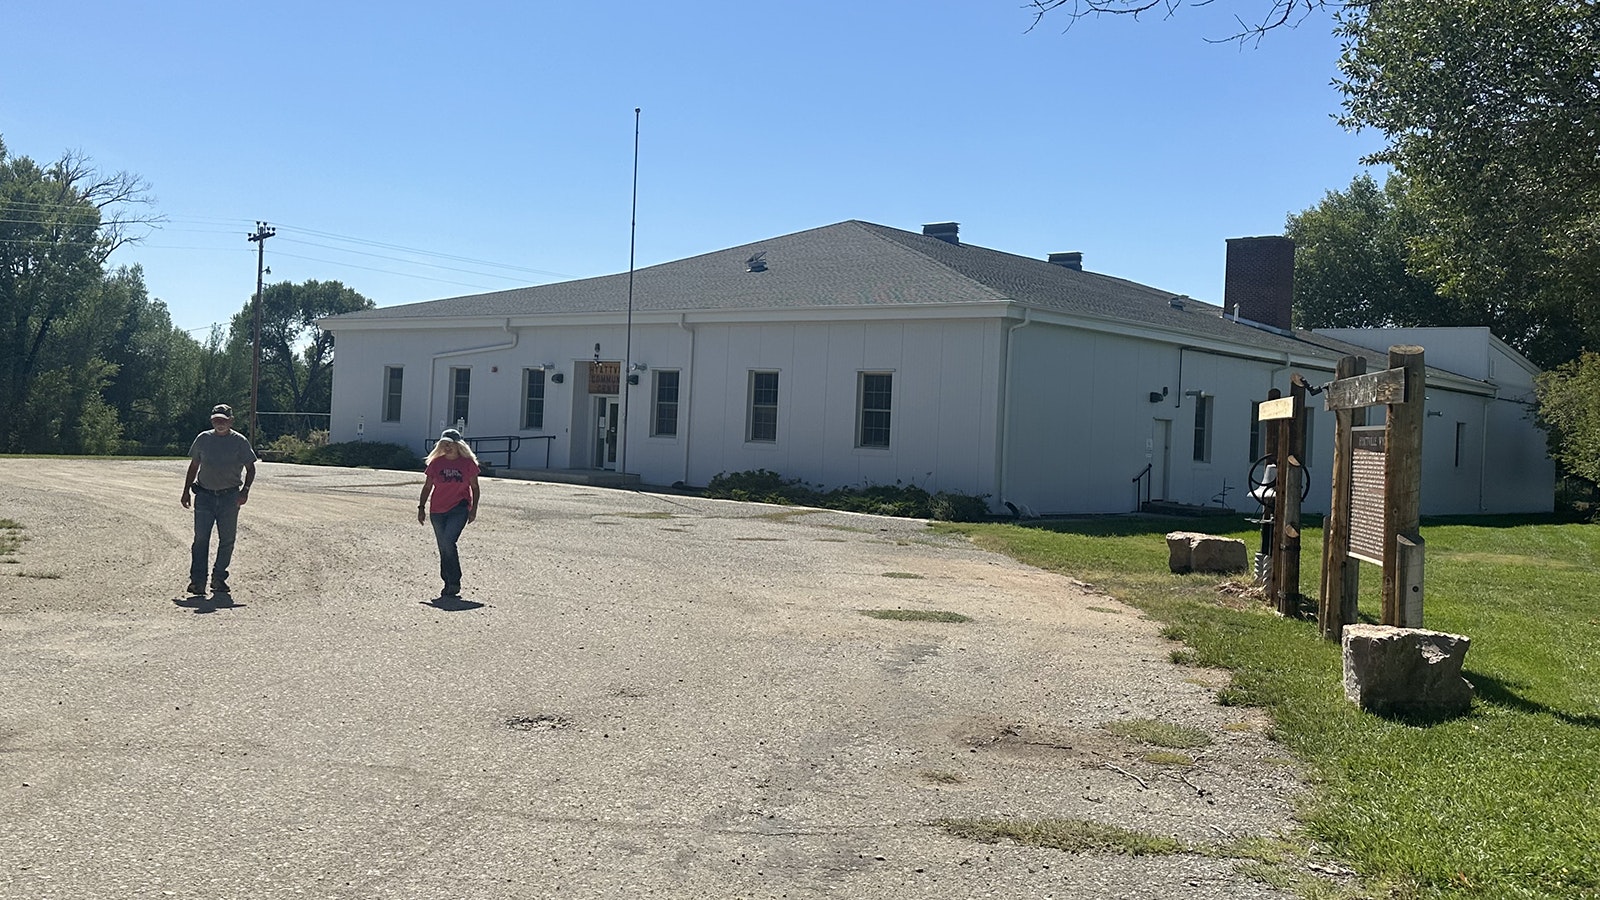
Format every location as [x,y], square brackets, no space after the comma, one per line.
[1141,497]
[513,443]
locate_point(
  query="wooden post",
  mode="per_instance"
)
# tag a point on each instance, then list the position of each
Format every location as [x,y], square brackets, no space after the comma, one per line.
[1408,558]
[1280,490]
[1291,474]
[1402,473]
[1339,571]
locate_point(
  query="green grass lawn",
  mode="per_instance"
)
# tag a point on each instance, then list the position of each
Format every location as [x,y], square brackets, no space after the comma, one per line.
[1503,802]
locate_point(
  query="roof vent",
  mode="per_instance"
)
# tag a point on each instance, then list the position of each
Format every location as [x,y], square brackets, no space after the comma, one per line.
[1071,260]
[757,262]
[949,232]
[1178,301]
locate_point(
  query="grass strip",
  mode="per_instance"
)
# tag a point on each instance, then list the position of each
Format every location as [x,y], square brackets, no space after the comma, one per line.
[1496,803]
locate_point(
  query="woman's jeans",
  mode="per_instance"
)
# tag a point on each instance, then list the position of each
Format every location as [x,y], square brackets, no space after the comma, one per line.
[221,511]
[447,528]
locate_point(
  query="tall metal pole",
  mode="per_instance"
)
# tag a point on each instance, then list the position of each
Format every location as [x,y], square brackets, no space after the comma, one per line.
[627,351]
[260,240]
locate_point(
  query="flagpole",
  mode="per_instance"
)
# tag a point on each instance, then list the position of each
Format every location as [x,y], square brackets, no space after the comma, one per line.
[627,352]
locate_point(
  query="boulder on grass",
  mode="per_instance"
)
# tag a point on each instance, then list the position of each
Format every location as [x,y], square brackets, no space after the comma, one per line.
[1409,671]
[1189,551]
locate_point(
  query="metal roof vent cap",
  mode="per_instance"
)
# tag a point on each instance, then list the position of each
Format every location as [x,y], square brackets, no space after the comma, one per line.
[757,262]
[1178,301]
[1070,260]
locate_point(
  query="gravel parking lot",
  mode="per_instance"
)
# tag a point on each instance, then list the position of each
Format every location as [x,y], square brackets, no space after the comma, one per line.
[640,695]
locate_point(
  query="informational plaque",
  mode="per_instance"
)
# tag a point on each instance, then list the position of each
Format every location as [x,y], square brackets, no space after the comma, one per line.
[1366,493]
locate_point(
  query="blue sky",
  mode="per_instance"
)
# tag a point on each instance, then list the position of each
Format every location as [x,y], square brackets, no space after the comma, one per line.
[423,150]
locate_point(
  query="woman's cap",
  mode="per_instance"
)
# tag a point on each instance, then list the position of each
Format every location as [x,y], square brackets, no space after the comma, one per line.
[222,411]
[450,434]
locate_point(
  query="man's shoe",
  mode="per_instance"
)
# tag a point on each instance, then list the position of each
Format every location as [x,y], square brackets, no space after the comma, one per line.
[451,590]
[195,589]
[219,587]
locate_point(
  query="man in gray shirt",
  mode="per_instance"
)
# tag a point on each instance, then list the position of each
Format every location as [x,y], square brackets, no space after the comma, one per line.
[222,465]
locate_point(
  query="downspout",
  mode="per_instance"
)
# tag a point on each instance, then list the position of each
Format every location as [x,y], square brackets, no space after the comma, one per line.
[1005,406]
[1272,373]
[433,365]
[1483,450]
[685,384]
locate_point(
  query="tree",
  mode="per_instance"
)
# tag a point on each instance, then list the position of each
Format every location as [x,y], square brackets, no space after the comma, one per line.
[1352,262]
[57,225]
[1491,110]
[1569,410]
[156,366]
[296,355]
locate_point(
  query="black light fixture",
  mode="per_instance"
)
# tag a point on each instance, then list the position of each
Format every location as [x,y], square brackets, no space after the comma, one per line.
[1158,396]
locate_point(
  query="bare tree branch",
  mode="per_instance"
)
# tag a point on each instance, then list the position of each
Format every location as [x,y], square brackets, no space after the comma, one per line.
[1279,13]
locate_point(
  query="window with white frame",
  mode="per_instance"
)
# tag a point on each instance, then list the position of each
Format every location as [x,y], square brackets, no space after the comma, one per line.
[1202,428]
[393,376]
[763,418]
[533,399]
[874,402]
[460,393]
[664,403]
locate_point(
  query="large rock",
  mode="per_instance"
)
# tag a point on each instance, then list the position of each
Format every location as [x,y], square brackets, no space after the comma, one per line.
[1188,551]
[1405,670]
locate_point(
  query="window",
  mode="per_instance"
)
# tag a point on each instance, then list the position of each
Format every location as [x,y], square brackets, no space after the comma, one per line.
[460,390]
[1202,428]
[533,399]
[875,391]
[1257,448]
[763,407]
[664,402]
[392,377]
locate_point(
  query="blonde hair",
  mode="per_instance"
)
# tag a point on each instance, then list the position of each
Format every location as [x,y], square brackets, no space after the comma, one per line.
[461,447]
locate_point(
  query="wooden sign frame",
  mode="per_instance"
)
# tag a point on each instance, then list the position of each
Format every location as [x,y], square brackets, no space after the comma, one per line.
[1401,389]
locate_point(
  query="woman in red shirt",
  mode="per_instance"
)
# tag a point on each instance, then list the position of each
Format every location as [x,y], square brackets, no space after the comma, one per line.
[451,482]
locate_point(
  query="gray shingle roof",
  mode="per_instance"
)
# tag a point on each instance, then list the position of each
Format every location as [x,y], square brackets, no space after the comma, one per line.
[860,264]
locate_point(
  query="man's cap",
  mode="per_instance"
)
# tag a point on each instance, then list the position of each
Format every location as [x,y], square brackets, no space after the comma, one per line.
[222,411]
[450,434]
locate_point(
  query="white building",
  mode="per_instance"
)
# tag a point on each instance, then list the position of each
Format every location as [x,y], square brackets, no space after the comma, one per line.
[856,353]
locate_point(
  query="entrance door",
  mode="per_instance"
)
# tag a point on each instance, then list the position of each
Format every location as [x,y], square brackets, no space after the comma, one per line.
[606,416]
[1159,451]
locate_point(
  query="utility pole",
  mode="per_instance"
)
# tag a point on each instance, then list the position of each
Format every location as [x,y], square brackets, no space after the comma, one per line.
[260,240]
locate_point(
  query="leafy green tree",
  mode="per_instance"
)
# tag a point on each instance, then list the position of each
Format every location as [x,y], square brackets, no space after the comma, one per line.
[1569,410]
[57,225]
[221,374]
[156,366]
[296,355]
[1351,266]
[1491,109]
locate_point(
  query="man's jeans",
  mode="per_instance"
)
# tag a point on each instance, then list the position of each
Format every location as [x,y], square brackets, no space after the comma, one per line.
[222,511]
[447,528]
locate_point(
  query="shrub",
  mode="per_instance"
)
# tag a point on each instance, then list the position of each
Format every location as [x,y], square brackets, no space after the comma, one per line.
[291,448]
[952,506]
[361,454]
[904,500]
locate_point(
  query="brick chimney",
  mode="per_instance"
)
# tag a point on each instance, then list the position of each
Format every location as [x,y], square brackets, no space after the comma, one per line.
[949,232]
[1259,284]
